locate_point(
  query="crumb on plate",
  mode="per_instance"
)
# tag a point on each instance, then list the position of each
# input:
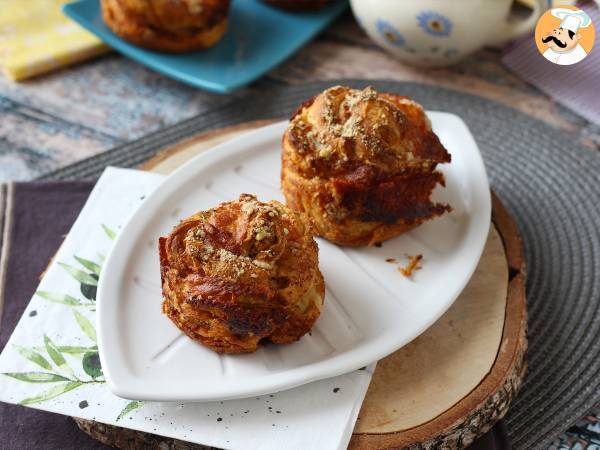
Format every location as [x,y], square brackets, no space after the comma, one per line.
[413,265]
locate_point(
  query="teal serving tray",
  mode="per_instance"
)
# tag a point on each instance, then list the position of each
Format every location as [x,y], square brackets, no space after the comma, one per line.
[259,38]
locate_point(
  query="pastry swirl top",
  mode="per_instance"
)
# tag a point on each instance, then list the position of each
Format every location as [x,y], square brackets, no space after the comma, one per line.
[343,129]
[244,244]
[240,272]
[362,165]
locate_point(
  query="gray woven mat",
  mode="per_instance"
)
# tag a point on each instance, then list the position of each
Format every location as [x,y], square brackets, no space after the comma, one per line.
[552,188]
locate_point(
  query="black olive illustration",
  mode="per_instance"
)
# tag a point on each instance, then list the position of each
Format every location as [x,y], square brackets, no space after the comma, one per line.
[91,364]
[88,290]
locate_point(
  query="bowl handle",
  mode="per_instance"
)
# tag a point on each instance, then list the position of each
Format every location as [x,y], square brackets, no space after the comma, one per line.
[513,30]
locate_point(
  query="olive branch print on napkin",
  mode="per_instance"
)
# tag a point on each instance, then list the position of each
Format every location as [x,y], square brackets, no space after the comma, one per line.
[54,357]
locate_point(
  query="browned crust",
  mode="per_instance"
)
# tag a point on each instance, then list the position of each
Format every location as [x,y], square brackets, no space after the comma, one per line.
[312,196]
[362,165]
[167,26]
[176,16]
[241,273]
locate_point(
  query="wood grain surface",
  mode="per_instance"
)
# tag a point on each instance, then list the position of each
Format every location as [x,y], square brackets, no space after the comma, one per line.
[446,387]
[62,117]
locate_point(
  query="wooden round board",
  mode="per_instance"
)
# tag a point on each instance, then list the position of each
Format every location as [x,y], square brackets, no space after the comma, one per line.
[444,389]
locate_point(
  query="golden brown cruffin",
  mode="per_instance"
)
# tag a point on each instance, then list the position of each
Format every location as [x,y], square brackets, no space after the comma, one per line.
[241,273]
[362,165]
[167,25]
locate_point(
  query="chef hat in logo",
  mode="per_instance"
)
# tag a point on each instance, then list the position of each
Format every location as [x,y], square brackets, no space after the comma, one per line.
[571,20]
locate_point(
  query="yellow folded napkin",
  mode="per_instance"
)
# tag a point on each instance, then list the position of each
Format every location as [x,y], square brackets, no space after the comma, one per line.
[36,37]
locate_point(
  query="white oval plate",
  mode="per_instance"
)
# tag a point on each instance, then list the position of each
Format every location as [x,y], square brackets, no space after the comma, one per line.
[370,309]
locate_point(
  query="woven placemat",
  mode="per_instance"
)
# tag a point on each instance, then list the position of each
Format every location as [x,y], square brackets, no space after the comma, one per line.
[550,185]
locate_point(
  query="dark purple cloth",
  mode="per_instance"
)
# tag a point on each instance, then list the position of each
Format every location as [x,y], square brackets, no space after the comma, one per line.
[42,215]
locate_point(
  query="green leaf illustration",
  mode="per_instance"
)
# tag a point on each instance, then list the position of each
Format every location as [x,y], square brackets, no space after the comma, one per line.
[89,265]
[34,357]
[51,393]
[128,408]
[59,298]
[110,233]
[79,275]
[91,364]
[56,356]
[85,325]
[37,377]
[70,349]
[75,350]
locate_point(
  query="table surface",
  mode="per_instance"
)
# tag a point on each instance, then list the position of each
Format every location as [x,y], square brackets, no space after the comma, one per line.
[56,119]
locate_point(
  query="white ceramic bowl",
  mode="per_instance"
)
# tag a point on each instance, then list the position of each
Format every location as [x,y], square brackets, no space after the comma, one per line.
[440,32]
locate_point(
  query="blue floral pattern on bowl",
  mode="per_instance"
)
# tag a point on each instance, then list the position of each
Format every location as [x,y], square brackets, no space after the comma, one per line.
[434,23]
[389,33]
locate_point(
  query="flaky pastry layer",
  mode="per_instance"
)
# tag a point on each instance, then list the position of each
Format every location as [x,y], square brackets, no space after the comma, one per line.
[242,273]
[181,26]
[362,165]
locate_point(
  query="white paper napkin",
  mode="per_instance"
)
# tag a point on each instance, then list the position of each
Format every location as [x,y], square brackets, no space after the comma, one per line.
[51,360]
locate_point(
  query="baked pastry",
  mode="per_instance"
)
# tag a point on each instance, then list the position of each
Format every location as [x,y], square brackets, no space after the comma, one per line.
[241,273]
[362,165]
[299,5]
[167,25]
